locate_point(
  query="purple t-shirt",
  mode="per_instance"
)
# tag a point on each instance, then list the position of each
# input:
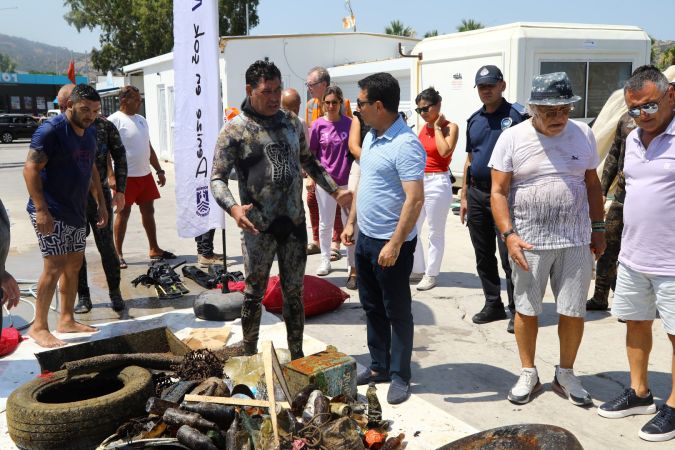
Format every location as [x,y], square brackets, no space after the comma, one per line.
[329,143]
[648,240]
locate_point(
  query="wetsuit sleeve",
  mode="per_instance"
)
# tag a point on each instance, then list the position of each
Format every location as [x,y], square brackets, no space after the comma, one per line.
[224,158]
[118,154]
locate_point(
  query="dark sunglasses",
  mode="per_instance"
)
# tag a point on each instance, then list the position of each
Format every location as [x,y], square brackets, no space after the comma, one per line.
[424,109]
[360,103]
[648,108]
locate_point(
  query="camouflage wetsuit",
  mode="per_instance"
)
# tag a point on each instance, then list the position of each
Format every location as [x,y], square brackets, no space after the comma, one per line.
[267,154]
[605,275]
[107,141]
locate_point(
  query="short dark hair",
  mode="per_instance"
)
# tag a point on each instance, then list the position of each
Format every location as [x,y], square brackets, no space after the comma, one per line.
[429,94]
[382,86]
[125,91]
[643,74]
[84,92]
[261,69]
[321,74]
[334,90]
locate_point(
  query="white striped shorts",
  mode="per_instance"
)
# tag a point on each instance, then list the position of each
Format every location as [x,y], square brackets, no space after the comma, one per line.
[570,272]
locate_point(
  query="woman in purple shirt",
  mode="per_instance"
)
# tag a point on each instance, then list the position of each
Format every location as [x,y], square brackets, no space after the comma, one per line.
[328,140]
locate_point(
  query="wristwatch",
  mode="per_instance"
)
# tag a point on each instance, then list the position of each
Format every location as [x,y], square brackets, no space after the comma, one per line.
[508,233]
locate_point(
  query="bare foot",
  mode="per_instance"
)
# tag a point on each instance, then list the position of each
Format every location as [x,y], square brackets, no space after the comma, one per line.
[75,327]
[44,338]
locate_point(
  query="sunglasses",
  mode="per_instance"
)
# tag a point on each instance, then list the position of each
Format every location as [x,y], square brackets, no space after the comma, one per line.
[648,108]
[311,85]
[360,103]
[424,109]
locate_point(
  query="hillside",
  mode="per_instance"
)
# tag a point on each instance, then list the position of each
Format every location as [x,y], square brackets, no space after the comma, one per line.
[39,57]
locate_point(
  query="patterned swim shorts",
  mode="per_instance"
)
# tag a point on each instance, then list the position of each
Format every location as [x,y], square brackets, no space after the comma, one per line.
[64,239]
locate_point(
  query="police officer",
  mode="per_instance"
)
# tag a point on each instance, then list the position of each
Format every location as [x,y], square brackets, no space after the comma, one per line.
[483,128]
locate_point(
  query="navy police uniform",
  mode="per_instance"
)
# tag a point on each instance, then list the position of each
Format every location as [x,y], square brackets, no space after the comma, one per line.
[482,131]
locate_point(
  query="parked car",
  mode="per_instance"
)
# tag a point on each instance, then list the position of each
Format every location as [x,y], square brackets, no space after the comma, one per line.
[17,126]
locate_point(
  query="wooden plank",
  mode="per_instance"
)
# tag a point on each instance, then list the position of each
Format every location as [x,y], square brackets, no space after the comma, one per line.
[233,401]
[280,376]
[268,351]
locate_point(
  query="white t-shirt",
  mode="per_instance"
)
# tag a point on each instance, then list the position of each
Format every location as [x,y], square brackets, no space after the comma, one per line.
[548,198]
[136,139]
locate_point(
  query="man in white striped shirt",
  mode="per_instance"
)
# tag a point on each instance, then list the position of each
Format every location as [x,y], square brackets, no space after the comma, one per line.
[547,203]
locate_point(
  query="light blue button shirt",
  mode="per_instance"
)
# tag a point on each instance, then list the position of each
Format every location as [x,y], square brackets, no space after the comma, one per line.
[386,161]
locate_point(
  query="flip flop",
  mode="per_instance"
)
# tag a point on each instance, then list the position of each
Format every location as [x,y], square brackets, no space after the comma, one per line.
[335,255]
[123,264]
[165,255]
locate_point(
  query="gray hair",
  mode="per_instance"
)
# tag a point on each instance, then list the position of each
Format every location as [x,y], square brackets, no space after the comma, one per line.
[643,74]
[321,74]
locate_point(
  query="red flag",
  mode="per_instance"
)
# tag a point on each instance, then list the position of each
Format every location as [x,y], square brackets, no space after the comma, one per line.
[71,72]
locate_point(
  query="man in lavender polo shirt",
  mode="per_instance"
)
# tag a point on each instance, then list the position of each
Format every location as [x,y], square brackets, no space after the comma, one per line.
[646,279]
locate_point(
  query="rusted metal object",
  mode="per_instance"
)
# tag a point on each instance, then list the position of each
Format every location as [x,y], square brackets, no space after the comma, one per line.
[155,340]
[518,437]
[333,373]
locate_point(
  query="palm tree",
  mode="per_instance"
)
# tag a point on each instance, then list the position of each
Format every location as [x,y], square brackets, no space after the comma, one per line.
[468,25]
[397,28]
[431,33]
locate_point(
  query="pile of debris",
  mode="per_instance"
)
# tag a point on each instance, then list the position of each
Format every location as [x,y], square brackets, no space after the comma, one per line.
[238,416]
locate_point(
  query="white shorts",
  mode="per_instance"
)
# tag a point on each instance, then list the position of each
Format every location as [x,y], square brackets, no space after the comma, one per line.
[639,295]
[570,272]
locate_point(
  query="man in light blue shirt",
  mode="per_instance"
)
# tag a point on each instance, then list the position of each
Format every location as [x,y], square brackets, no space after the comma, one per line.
[390,197]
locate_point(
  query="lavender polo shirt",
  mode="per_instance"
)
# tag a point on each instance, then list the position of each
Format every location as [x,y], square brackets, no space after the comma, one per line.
[648,240]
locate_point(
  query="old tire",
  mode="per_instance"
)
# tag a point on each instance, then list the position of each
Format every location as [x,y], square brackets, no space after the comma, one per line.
[6,137]
[37,418]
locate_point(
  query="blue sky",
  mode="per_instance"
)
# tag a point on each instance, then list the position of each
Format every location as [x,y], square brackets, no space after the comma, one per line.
[42,20]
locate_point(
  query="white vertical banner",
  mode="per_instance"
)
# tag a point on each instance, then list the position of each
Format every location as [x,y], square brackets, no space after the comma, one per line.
[197,114]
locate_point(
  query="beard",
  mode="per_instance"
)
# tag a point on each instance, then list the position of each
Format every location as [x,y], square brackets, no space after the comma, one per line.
[78,120]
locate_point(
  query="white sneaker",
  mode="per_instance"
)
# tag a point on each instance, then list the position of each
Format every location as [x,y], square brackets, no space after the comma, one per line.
[568,385]
[324,268]
[426,283]
[527,384]
[416,276]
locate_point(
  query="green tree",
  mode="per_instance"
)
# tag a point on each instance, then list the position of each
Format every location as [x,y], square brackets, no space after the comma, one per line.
[431,33]
[397,28]
[133,30]
[667,58]
[468,25]
[6,64]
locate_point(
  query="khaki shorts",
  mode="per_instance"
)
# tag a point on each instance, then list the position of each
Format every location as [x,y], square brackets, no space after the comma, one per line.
[639,295]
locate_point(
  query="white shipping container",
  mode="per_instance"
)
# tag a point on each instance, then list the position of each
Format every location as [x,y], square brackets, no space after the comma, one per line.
[597,58]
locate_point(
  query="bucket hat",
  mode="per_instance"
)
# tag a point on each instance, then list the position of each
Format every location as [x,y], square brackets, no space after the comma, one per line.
[552,89]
